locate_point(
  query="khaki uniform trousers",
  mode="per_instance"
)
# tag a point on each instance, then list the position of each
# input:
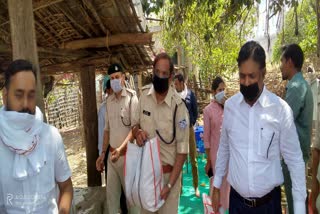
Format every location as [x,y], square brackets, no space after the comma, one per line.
[172,202]
[115,178]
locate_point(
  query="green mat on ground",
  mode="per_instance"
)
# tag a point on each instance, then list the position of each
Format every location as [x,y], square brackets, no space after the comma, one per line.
[189,203]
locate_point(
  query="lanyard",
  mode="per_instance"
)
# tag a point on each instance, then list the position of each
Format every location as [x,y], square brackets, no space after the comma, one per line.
[174,128]
[125,124]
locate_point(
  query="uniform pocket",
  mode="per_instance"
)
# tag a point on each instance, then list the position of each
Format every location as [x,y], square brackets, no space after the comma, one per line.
[125,116]
[268,143]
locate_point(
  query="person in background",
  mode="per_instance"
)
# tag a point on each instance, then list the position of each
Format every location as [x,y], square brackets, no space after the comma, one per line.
[299,98]
[191,101]
[315,197]
[102,114]
[213,116]
[120,106]
[315,148]
[257,131]
[107,90]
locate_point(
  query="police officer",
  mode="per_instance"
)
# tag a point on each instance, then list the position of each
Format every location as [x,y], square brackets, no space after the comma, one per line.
[117,132]
[162,113]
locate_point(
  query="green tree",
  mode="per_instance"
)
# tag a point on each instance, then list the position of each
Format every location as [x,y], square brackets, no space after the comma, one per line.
[211,33]
[306,36]
[152,6]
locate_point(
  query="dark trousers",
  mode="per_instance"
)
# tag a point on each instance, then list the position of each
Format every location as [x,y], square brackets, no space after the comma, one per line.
[237,205]
[123,200]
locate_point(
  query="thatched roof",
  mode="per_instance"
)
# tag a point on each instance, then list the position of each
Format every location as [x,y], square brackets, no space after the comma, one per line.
[75,33]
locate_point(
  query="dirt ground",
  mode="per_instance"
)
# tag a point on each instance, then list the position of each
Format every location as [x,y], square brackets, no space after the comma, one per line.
[76,154]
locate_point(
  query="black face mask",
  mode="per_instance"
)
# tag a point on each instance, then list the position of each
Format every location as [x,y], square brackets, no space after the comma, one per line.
[160,85]
[250,92]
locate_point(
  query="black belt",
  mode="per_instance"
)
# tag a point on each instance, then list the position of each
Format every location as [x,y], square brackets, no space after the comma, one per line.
[256,202]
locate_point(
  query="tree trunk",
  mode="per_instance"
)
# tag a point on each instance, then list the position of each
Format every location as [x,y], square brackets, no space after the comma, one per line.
[23,39]
[90,123]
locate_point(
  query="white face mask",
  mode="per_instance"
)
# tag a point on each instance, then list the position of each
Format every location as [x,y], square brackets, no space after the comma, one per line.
[219,97]
[116,85]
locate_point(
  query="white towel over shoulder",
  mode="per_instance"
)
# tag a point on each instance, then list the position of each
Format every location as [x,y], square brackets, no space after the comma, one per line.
[20,133]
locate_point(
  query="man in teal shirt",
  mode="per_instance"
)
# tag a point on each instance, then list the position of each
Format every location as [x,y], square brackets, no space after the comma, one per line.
[299,97]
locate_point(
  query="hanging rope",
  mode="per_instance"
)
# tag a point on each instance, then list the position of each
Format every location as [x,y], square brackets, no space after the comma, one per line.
[107,41]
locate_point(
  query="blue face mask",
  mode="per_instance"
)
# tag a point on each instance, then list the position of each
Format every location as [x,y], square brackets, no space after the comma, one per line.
[116,85]
[219,97]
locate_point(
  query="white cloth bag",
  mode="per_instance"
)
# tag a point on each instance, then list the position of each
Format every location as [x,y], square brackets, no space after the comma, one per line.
[144,176]
[132,164]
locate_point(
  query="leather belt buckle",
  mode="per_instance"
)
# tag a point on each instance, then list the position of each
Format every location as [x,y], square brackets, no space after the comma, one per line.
[250,202]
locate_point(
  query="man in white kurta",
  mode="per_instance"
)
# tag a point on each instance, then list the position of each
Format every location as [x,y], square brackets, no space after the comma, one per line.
[32,157]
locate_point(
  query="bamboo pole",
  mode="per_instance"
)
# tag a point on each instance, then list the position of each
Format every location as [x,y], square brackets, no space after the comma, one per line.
[112,40]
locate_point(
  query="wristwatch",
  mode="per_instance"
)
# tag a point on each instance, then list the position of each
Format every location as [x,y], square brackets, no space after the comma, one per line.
[169,186]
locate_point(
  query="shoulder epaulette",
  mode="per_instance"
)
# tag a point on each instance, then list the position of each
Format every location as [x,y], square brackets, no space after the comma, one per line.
[130,91]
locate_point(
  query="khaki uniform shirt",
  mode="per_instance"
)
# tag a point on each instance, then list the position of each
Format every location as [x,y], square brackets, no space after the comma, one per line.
[120,115]
[154,116]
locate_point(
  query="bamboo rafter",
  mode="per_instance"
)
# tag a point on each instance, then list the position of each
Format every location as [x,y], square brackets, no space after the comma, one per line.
[92,9]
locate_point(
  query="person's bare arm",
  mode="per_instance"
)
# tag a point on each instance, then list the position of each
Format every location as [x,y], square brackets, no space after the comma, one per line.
[65,196]
[100,160]
[121,149]
[105,141]
[208,165]
[140,135]
[125,142]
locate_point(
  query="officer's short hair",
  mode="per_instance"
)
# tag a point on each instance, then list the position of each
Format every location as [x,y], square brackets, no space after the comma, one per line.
[163,56]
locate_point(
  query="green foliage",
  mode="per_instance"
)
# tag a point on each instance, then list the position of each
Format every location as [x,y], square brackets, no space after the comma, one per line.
[307,30]
[152,6]
[211,33]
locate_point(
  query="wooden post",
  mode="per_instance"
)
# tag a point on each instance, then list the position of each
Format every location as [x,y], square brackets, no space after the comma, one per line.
[90,123]
[140,84]
[23,39]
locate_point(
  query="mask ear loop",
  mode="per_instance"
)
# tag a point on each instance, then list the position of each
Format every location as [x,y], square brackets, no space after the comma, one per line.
[174,128]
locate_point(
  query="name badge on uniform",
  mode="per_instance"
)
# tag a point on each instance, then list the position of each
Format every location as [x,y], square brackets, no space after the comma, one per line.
[183,124]
[146,113]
